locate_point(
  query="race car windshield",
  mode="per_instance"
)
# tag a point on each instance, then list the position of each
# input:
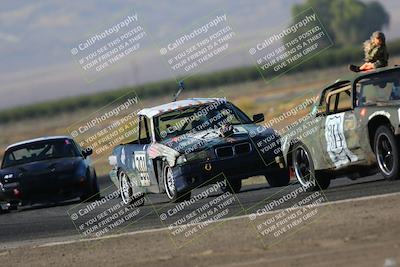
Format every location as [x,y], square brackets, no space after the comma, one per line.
[38,151]
[379,88]
[198,118]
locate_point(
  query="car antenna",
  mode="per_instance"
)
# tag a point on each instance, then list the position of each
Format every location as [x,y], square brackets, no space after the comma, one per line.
[181,87]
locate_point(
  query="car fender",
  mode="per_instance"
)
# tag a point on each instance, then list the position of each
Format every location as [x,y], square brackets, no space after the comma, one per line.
[159,150]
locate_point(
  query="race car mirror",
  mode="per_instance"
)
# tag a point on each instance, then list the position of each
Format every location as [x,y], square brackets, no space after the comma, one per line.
[258,118]
[87,152]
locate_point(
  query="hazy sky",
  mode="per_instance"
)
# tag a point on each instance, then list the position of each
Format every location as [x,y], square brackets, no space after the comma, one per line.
[36,38]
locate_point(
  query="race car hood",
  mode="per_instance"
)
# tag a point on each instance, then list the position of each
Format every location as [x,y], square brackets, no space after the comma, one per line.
[40,168]
[201,140]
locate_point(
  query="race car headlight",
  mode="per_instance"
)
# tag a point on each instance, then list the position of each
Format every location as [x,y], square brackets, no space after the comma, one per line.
[202,155]
[112,160]
[181,159]
[8,176]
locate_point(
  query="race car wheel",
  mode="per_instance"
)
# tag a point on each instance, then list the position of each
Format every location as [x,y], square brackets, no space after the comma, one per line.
[387,153]
[127,193]
[4,209]
[13,206]
[305,172]
[169,185]
[278,178]
[125,188]
[233,186]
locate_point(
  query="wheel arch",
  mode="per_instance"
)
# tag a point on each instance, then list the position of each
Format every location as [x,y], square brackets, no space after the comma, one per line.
[290,152]
[374,124]
[119,170]
[158,164]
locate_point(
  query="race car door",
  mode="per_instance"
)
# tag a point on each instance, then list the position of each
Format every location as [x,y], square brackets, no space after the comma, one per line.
[140,161]
[338,135]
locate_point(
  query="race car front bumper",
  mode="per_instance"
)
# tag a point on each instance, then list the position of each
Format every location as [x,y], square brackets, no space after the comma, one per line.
[191,175]
[9,195]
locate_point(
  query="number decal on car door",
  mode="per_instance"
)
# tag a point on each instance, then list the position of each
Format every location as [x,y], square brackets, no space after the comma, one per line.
[141,166]
[336,141]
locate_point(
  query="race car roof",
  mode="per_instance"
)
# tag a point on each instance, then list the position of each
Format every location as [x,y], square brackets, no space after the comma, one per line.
[355,76]
[157,110]
[38,140]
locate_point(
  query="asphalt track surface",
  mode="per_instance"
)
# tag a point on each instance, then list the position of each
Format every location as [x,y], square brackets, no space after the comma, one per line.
[52,222]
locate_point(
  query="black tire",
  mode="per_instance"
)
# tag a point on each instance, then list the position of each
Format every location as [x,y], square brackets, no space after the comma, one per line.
[127,192]
[13,206]
[278,178]
[4,211]
[386,148]
[232,186]
[303,167]
[92,191]
[169,185]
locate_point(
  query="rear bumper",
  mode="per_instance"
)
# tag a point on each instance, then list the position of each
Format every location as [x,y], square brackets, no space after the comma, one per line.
[192,175]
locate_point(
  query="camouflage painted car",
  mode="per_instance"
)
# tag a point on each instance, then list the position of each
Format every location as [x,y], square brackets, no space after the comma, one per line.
[353,130]
[183,144]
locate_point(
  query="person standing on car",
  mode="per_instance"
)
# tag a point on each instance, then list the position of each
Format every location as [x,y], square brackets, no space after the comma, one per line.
[376,55]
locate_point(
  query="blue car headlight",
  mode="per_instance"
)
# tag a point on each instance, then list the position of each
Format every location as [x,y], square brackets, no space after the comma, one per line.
[192,157]
[8,176]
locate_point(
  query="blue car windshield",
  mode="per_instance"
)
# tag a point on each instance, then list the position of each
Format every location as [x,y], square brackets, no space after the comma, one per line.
[38,151]
[198,118]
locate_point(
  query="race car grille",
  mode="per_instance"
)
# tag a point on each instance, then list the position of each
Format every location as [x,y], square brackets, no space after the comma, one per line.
[234,150]
[224,152]
[241,149]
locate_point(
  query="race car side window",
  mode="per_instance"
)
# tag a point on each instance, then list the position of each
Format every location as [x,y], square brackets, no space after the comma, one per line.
[339,100]
[323,107]
[144,133]
[344,101]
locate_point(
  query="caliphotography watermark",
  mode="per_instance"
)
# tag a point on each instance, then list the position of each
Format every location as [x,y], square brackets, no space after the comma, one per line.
[279,52]
[108,214]
[193,218]
[290,127]
[282,215]
[193,130]
[200,45]
[109,126]
[105,48]
[207,117]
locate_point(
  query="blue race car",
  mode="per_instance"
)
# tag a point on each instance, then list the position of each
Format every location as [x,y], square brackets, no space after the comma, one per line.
[184,144]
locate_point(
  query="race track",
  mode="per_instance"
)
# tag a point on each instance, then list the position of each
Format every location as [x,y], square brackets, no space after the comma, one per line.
[45,223]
